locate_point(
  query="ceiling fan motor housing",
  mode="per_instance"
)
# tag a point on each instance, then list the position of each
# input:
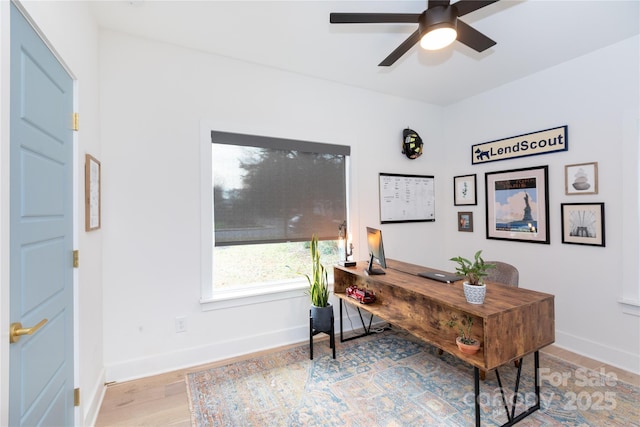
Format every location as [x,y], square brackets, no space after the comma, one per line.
[438,17]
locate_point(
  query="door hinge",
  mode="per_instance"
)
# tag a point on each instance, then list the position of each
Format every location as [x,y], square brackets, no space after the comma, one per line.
[76,397]
[76,121]
[76,258]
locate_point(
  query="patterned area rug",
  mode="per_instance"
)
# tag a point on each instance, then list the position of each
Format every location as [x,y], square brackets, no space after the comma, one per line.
[392,379]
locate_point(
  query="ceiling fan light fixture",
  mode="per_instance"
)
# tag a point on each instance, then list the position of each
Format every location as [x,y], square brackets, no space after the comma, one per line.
[438,38]
[438,27]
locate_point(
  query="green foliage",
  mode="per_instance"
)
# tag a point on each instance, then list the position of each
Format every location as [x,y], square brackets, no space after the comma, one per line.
[318,280]
[473,271]
[464,327]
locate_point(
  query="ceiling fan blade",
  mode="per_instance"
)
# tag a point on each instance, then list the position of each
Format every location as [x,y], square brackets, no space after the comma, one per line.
[373,18]
[401,50]
[468,6]
[473,38]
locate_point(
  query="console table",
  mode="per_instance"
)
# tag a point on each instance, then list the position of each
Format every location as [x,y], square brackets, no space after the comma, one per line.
[512,322]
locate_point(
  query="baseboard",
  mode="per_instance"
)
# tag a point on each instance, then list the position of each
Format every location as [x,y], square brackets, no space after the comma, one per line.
[214,352]
[616,357]
[91,402]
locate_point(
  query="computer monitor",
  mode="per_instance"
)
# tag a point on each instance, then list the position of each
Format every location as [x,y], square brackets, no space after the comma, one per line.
[376,251]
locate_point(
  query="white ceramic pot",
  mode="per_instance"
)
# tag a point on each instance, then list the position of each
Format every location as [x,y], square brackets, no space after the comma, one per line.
[474,293]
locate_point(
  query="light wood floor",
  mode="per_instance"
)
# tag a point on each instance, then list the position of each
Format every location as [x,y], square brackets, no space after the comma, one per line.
[161,400]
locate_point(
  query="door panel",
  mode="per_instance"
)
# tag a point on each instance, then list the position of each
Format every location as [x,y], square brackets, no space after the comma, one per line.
[41,284]
[41,235]
[34,365]
[42,198]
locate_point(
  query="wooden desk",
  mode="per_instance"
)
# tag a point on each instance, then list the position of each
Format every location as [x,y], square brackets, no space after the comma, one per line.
[512,322]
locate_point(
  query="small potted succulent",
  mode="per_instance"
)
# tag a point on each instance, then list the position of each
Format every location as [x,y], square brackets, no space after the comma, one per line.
[466,343]
[474,272]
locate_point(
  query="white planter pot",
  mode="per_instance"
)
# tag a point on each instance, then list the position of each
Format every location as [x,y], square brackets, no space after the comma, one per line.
[474,293]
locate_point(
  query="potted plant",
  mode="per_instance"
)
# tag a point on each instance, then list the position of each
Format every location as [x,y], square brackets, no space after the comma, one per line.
[466,343]
[321,309]
[474,271]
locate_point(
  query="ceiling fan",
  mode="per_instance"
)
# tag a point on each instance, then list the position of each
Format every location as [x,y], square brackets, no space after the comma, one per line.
[438,26]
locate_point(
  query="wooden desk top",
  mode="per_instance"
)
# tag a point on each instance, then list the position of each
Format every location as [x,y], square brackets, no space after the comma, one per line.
[511,323]
[499,297]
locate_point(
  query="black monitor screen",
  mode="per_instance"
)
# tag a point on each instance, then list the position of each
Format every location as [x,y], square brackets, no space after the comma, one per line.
[376,251]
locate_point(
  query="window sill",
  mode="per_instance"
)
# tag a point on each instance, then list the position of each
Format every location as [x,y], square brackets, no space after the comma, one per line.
[254,295]
[630,307]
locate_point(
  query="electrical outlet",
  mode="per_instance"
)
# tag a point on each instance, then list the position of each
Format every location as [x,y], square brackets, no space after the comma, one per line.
[181,324]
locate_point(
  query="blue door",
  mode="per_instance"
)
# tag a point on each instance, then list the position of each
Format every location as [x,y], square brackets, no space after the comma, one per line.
[41,235]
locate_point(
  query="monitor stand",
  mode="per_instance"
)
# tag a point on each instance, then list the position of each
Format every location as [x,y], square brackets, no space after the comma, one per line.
[373,271]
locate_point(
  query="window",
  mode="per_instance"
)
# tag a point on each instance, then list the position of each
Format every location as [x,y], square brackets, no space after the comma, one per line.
[270,195]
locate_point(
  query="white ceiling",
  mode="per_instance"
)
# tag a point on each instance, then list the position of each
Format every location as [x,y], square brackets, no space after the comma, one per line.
[297,36]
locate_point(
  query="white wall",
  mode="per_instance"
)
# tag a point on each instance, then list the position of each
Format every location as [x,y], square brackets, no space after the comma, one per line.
[71,30]
[153,99]
[151,110]
[597,96]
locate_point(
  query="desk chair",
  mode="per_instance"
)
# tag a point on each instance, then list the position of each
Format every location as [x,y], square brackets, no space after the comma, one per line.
[503,273]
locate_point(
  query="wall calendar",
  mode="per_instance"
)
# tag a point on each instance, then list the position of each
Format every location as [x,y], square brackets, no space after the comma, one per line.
[406,198]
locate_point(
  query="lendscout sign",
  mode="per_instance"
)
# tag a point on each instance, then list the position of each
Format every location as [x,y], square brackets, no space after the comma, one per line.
[542,142]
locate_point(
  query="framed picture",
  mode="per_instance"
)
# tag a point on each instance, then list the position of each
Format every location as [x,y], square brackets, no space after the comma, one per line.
[581,178]
[518,204]
[92,193]
[465,221]
[583,223]
[464,190]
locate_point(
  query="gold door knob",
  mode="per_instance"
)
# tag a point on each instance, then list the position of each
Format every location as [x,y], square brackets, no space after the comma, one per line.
[16,330]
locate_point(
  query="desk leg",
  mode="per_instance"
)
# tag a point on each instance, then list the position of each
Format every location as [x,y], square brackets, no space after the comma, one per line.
[367,329]
[511,417]
[536,378]
[341,336]
[476,387]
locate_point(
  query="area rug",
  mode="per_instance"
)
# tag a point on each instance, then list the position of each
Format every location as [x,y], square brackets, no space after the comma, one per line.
[392,379]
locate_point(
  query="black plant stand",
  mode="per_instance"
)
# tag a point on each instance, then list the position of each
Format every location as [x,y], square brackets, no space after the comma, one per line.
[313,332]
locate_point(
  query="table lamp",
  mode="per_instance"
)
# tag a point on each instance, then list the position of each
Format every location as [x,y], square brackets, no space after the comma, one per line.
[345,242]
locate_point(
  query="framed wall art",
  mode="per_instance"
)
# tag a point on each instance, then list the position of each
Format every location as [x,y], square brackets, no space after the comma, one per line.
[92,200]
[465,221]
[581,178]
[583,223]
[464,190]
[517,204]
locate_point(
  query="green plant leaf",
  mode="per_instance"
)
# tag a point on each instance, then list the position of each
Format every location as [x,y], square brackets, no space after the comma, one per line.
[319,279]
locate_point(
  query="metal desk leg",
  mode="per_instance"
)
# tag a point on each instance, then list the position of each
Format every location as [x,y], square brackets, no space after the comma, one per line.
[367,329]
[476,386]
[512,419]
[341,336]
